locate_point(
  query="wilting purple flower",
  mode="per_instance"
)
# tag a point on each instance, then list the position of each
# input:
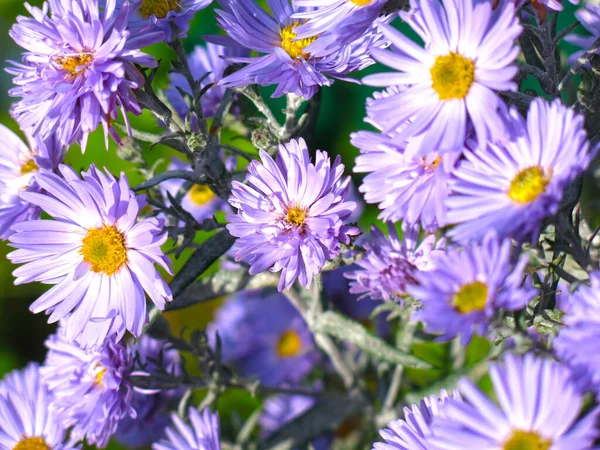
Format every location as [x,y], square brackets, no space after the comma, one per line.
[151,409]
[201,434]
[347,20]
[297,66]
[200,201]
[389,263]
[206,64]
[98,256]
[27,421]
[411,433]
[282,409]
[91,390]
[78,71]
[468,287]
[575,342]
[19,165]
[539,406]
[291,214]
[170,17]
[265,337]
[405,185]
[589,17]
[449,84]
[510,188]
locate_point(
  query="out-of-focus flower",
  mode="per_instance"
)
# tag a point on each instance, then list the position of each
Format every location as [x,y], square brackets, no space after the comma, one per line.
[90,390]
[79,69]
[512,187]
[296,66]
[449,85]
[468,287]
[207,65]
[19,165]
[411,433]
[99,257]
[151,409]
[27,421]
[575,342]
[589,17]
[201,434]
[264,335]
[292,213]
[539,406]
[387,268]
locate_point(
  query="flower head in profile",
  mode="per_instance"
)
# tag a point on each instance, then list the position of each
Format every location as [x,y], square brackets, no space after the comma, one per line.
[79,69]
[512,187]
[411,433]
[538,407]
[467,288]
[296,66]
[97,254]
[152,409]
[90,390]
[28,422]
[207,66]
[449,86]
[388,265]
[292,213]
[575,342]
[405,185]
[19,165]
[202,433]
[265,337]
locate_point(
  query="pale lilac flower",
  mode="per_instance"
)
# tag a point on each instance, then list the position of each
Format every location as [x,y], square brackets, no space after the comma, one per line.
[79,69]
[97,254]
[201,434]
[589,16]
[292,213]
[450,85]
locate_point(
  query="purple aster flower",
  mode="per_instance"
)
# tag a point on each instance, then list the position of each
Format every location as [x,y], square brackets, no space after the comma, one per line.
[539,406]
[91,389]
[282,409]
[575,342]
[449,84]
[389,263]
[151,409]
[201,434]
[200,201]
[411,433]
[405,185]
[100,259]
[19,165]
[467,288]
[264,335]
[297,66]
[79,69]
[206,64]
[170,17]
[27,422]
[510,188]
[589,16]
[291,214]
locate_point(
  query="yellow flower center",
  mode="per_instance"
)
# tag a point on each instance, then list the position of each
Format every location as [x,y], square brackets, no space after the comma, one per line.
[105,249]
[430,167]
[158,8]
[100,377]
[75,64]
[32,443]
[361,2]
[295,48]
[471,297]
[523,440]
[201,194]
[296,216]
[289,344]
[452,76]
[28,167]
[528,184]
